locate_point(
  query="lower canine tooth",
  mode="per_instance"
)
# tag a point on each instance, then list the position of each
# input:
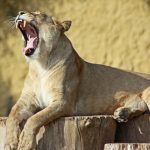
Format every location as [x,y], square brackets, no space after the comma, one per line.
[24,24]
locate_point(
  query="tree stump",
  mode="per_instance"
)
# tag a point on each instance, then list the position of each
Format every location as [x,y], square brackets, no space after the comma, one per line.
[78,133]
[136,130]
[72,133]
[127,146]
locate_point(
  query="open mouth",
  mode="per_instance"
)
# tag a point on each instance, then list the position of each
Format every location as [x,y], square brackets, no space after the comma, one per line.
[30,34]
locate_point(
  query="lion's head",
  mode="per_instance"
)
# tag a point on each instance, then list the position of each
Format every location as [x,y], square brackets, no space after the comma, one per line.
[39,31]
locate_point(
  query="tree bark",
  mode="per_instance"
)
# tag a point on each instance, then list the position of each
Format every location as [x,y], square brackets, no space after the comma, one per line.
[136,130]
[78,133]
[127,146]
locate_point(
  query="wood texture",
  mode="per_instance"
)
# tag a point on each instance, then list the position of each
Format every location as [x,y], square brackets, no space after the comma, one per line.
[136,130]
[78,133]
[127,146]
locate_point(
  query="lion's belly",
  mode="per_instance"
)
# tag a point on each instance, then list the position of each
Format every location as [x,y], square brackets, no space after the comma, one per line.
[94,105]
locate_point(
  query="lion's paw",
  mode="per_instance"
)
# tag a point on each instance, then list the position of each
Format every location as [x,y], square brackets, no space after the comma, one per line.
[10,147]
[11,142]
[122,114]
[26,141]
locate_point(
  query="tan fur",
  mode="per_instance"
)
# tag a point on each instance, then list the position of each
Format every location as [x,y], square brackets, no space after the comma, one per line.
[60,83]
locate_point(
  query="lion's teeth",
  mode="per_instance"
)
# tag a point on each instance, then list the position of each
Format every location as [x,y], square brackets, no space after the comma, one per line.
[17,24]
[24,24]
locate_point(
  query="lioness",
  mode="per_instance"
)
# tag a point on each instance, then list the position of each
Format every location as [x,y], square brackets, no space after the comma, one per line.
[60,83]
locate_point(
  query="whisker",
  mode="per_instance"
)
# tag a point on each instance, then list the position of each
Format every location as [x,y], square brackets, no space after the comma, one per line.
[10,22]
[12,26]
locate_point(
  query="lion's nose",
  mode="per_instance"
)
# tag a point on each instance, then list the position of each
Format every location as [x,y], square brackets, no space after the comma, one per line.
[21,13]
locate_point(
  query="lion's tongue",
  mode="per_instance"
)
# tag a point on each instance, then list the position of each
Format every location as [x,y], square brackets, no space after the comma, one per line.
[32,39]
[31,44]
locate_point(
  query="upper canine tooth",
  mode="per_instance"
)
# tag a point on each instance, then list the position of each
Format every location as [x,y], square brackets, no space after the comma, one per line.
[17,24]
[24,24]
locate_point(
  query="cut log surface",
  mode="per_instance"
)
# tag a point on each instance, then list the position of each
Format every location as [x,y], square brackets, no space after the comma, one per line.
[136,130]
[78,133]
[127,146]
[72,133]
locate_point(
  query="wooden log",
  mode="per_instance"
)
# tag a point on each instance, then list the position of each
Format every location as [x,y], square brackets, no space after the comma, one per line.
[127,146]
[136,130]
[72,133]
[78,133]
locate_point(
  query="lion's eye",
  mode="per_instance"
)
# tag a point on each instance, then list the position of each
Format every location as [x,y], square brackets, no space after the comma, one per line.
[33,22]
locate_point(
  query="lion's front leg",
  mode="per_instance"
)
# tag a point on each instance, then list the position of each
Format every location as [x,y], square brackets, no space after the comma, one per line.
[12,131]
[27,140]
[12,127]
[21,111]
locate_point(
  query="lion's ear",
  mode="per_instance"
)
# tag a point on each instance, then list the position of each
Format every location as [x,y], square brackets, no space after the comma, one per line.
[66,25]
[63,26]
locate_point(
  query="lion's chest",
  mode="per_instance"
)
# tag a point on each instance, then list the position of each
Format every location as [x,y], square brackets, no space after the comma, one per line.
[48,86]
[43,95]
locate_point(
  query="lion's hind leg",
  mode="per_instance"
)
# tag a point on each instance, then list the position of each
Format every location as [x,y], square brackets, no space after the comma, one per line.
[134,105]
